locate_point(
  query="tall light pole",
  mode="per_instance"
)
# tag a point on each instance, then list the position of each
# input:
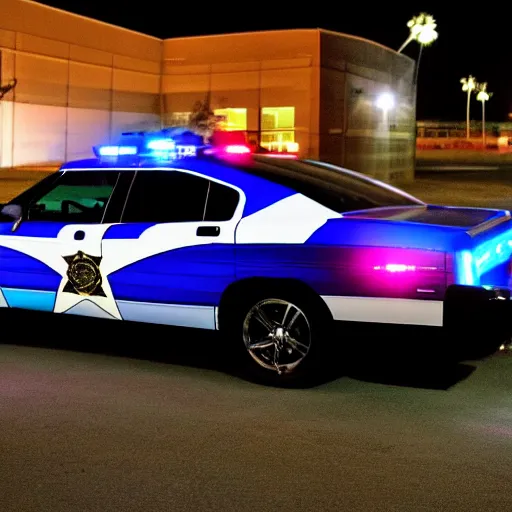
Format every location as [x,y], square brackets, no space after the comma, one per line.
[422,29]
[468,86]
[483,96]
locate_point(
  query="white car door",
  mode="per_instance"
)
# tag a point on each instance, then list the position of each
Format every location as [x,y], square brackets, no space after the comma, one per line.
[173,254]
[50,259]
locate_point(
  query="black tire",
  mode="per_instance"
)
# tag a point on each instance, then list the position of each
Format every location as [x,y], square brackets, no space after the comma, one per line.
[240,312]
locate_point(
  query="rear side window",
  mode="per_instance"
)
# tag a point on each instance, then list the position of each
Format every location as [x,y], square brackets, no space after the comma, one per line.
[329,185]
[176,196]
[221,204]
[166,196]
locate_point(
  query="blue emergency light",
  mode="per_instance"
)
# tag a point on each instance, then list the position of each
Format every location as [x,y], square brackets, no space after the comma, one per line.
[168,144]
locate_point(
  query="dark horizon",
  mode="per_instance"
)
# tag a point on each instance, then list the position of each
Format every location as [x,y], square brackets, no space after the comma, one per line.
[457,53]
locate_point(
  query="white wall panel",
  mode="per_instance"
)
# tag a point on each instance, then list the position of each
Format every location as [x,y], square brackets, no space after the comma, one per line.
[131,122]
[86,128]
[39,134]
[6,133]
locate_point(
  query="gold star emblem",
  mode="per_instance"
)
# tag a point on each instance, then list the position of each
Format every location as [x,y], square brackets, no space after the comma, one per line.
[84,276]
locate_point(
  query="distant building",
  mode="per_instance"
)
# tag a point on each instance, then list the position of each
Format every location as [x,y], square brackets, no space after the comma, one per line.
[81,82]
[457,129]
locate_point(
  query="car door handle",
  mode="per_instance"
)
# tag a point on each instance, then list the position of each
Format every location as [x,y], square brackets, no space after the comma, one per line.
[208,231]
[79,235]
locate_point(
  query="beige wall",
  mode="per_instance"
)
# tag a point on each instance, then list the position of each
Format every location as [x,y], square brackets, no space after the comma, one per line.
[80,82]
[332,80]
[253,71]
[354,132]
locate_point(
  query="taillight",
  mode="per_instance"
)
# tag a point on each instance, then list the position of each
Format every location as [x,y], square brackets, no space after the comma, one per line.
[395,267]
[402,267]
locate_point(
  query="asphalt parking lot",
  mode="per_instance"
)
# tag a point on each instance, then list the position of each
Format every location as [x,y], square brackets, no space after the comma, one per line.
[92,421]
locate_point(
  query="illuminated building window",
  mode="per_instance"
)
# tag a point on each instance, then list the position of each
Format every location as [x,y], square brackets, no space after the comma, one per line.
[231,119]
[278,128]
[179,118]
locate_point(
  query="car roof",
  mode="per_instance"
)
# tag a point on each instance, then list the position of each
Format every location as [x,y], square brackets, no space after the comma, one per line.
[242,176]
[260,192]
[276,178]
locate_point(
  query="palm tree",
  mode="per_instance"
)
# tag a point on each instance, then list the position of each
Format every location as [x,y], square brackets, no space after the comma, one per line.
[422,28]
[483,96]
[202,119]
[468,86]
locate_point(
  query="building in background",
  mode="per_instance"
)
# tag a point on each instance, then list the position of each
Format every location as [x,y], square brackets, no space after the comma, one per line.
[453,135]
[319,91]
[81,82]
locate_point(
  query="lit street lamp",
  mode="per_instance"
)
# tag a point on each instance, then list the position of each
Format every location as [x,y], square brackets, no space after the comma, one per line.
[468,86]
[385,102]
[483,96]
[422,28]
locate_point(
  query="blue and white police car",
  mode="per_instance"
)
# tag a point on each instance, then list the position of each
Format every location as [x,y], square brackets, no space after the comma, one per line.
[160,228]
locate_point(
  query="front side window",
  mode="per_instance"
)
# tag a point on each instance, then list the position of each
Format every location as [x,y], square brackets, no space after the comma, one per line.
[78,197]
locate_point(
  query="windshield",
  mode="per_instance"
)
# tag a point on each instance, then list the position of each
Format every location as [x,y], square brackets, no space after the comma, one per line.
[333,187]
[24,198]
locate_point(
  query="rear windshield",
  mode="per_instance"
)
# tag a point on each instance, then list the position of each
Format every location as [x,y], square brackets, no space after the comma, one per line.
[333,187]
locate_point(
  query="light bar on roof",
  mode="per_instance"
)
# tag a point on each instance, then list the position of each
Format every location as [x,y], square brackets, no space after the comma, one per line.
[229,150]
[168,149]
[161,145]
[237,149]
[144,146]
[116,150]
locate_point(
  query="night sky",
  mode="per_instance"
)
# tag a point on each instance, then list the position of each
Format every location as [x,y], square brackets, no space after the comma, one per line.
[472,40]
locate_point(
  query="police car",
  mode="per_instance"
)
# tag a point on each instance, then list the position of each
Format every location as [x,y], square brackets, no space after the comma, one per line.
[161,228]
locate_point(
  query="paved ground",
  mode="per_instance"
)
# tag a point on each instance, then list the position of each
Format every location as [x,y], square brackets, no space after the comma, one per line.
[491,189]
[488,158]
[13,182]
[85,431]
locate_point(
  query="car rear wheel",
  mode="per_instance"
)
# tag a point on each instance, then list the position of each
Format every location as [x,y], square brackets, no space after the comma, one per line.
[280,338]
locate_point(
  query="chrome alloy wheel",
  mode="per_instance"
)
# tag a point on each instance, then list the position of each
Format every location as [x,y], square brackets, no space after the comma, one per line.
[277,335]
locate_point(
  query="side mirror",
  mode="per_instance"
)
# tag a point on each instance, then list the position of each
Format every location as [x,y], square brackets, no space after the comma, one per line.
[12,210]
[15,212]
